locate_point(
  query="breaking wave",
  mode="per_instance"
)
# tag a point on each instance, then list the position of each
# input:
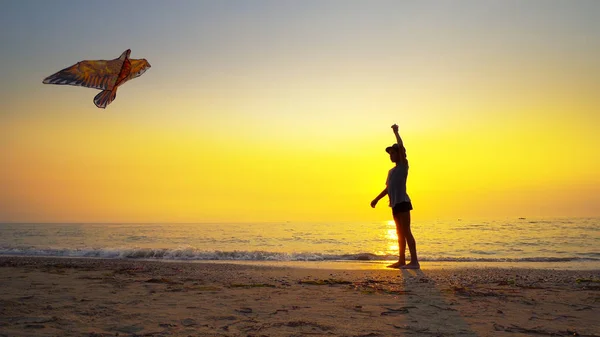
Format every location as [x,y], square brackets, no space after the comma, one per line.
[191,254]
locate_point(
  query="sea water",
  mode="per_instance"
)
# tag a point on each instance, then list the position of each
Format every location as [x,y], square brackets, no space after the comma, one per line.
[565,243]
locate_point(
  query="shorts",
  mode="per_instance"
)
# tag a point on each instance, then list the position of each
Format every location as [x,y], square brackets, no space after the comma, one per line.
[402,207]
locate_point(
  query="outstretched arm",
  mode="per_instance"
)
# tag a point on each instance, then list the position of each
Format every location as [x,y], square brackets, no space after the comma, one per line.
[401,149]
[377,198]
[398,139]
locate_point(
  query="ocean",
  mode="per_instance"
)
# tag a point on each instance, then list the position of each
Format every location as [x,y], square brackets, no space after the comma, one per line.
[561,243]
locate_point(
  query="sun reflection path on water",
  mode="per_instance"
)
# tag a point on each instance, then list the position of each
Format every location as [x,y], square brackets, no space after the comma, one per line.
[391,238]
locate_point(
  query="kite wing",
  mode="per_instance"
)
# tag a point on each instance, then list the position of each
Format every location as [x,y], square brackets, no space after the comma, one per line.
[101,74]
[98,74]
[89,74]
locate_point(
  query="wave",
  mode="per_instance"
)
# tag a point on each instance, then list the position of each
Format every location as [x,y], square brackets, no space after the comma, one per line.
[191,254]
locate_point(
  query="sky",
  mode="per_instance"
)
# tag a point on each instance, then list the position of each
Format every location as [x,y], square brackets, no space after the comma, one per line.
[281,110]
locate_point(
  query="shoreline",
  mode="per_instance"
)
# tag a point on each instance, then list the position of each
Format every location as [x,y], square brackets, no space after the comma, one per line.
[109,297]
[355,264]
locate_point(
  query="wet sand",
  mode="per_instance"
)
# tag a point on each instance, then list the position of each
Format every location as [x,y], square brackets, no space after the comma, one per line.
[90,297]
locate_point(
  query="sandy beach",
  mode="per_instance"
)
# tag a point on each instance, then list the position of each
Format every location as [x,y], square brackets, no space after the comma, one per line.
[89,297]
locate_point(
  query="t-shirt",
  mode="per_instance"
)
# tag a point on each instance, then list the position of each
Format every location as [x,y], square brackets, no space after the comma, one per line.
[396,184]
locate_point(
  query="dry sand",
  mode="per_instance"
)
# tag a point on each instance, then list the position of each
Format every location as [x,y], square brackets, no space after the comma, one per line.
[87,297]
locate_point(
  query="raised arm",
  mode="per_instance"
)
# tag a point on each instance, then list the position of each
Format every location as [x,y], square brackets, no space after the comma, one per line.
[398,139]
[401,149]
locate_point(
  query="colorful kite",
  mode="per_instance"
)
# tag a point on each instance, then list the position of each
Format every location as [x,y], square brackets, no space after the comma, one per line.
[101,74]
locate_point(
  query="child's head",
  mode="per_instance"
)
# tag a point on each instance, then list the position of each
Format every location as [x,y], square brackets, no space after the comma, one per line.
[396,153]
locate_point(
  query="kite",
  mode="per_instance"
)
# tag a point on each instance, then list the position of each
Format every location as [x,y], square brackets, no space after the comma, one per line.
[101,74]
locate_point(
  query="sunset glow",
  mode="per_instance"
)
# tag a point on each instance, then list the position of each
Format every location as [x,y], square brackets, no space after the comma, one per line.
[281,111]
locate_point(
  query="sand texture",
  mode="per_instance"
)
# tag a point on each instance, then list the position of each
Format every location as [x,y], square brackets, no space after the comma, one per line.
[88,297]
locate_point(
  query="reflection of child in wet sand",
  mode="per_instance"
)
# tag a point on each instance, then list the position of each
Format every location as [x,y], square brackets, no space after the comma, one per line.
[400,203]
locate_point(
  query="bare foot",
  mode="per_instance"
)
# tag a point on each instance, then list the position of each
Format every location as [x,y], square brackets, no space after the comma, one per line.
[411,266]
[397,265]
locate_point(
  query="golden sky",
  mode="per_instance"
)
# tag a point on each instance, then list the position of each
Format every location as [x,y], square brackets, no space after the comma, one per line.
[281,111]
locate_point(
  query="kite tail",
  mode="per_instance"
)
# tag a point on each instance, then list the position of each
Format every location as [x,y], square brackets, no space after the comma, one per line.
[105,97]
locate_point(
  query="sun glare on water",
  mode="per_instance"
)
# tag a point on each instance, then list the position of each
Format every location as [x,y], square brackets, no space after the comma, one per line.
[392,237]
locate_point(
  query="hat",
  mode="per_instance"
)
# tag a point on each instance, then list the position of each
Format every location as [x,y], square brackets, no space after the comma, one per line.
[393,147]
[401,150]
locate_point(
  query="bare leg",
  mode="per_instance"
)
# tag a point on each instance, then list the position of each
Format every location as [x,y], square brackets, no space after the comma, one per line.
[401,245]
[410,240]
